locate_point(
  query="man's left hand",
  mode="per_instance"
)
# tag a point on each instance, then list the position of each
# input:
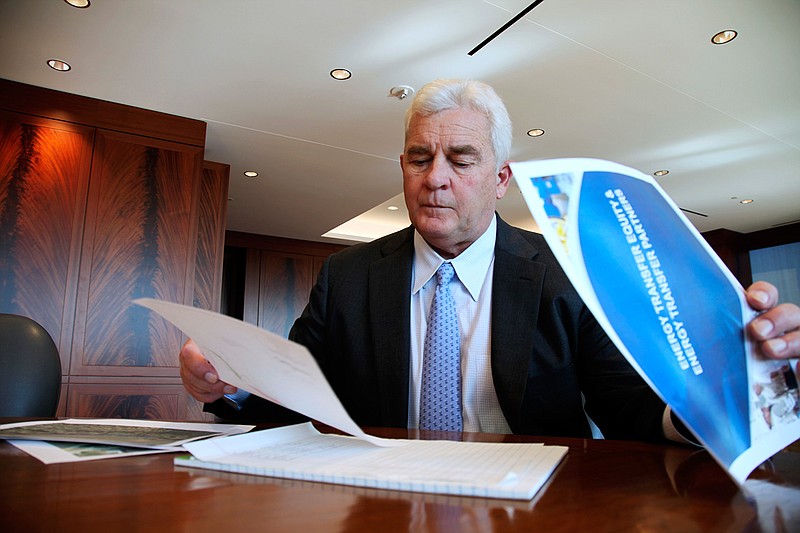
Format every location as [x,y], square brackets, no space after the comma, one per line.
[776,331]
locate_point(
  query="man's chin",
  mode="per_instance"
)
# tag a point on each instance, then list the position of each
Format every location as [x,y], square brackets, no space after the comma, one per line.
[433,221]
[435,229]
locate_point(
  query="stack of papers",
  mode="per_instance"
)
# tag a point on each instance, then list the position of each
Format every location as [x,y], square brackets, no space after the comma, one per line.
[60,441]
[286,373]
[490,470]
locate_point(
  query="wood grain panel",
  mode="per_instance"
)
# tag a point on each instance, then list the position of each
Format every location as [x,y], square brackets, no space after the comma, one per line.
[257,289]
[212,207]
[76,248]
[99,394]
[23,98]
[252,284]
[137,401]
[283,293]
[140,240]
[44,167]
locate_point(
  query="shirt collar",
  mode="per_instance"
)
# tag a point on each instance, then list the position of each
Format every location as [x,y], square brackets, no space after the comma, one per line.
[470,265]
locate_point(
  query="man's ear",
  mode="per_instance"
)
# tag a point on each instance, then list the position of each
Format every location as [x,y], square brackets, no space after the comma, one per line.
[503,180]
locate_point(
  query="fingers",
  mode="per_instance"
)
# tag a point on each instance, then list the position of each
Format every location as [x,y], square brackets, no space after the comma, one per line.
[762,295]
[198,375]
[776,331]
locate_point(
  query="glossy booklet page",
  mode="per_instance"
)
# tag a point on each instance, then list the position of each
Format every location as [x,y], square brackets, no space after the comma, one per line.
[668,303]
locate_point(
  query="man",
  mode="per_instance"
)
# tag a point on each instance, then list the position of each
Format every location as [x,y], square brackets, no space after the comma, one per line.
[533,359]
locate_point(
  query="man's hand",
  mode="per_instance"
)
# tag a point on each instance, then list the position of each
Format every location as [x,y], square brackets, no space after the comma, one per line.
[200,378]
[776,332]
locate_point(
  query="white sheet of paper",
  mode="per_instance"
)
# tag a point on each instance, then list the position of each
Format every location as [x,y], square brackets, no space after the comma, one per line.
[152,434]
[262,363]
[449,467]
[72,452]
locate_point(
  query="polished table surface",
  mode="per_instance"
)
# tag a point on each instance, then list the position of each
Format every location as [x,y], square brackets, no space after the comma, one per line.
[600,486]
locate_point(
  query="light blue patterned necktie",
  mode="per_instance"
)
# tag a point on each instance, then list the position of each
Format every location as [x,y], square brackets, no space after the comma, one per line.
[440,402]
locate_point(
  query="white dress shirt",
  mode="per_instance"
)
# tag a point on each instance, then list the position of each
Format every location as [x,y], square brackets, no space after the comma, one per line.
[472,291]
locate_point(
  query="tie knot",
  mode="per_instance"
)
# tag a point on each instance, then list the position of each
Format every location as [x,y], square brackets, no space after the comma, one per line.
[444,274]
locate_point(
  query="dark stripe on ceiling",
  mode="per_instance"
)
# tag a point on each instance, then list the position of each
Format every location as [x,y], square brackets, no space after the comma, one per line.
[694,212]
[504,27]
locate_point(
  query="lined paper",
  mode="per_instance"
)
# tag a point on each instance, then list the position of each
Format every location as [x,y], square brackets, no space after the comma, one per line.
[495,470]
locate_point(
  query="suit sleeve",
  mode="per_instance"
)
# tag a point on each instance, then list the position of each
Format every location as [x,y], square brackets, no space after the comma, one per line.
[618,400]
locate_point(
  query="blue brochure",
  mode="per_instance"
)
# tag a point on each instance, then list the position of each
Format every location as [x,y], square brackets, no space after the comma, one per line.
[668,303]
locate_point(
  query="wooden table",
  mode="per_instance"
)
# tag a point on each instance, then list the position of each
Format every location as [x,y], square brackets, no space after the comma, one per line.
[601,486]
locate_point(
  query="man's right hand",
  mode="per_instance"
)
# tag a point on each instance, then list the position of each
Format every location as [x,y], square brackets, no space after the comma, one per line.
[199,377]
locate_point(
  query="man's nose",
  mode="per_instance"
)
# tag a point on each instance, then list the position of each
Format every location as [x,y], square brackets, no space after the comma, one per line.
[439,173]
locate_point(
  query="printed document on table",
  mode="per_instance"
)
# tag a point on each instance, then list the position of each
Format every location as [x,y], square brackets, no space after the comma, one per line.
[491,470]
[88,439]
[668,303]
[153,434]
[263,364]
[285,372]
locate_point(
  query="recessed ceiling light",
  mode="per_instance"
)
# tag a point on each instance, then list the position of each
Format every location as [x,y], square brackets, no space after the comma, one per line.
[57,64]
[659,173]
[536,132]
[340,74]
[747,201]
[250,173]
[80,4]
[392,208]
[725,36]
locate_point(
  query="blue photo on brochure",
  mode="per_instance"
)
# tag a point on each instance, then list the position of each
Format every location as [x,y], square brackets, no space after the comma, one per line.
[688,323]
[668,302]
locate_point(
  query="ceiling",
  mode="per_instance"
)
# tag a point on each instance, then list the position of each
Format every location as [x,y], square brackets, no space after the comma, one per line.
[633,81]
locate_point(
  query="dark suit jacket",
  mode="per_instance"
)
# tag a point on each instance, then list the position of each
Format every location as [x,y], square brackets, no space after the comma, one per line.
[546,346]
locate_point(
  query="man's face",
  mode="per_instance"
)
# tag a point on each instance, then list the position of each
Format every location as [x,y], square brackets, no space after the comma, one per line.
[450,181]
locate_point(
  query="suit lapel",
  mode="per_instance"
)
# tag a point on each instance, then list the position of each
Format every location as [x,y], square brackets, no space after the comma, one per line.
[389,316]
[515,308]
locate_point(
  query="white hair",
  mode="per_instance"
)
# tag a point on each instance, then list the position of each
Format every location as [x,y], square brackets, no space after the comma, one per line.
[441,95]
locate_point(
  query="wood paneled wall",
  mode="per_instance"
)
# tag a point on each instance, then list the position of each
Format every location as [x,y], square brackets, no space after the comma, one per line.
[272,276]
[101,204]
[140,227]
[44,181]
[212,208]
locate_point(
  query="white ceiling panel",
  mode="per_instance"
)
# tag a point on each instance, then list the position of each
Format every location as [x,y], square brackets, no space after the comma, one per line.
[634,81]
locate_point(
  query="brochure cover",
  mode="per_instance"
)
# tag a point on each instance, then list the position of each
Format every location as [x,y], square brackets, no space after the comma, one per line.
[668,303]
